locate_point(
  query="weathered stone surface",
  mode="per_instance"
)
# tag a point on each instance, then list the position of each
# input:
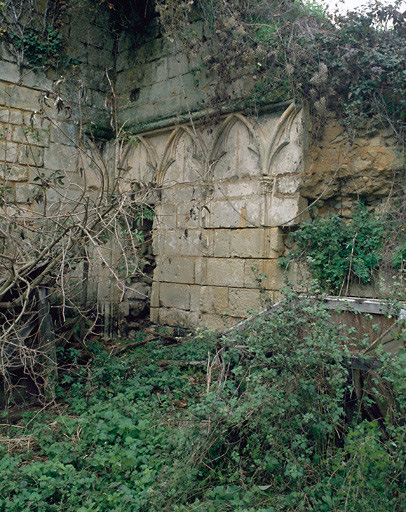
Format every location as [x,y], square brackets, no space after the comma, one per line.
[14,173]
[225,271]
[61,158]
[288,211]
[241,301]
[214,299]
[165,216]
[246,243]
[23,98]
[29,135]
[174,296]
[276,243]
[9,116]
[175,270]
[178,318]
[9,152]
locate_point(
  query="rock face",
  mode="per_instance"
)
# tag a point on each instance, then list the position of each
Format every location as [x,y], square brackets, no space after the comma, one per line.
[340,169]
[225,192]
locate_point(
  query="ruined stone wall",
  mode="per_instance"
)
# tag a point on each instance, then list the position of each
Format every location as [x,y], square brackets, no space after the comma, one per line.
[227,193]
[44,170]
[226,190]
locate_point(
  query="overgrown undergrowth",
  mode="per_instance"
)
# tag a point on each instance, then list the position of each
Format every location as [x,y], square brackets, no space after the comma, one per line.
[268,418]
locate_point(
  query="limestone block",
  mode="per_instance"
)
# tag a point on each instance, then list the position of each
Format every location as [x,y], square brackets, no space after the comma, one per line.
[63,133]
[100,58]
[187,216]
[288,184]
[175,270]
[61,157]
[276,243]
[168,107]
[174,296]
[29,135]
[221,243]
[36,80]
[11,116]
[2,93]
[158,241]
[144,113]
[217,323]
[200,270]
[225,272]
[25,193]
[227,214]
[161,90]
[287,211]
[253,215]
[9,152]
[154,315]
[194,242]
[34,120]
[195,298]
[241,300]
[177,65]
[14,173]
[214,299]
[172,242]
[246,243]
[179,193]
[9,71]
[161,70]
[23,98]
[243,189]
[274,274]
[263,273]
[165,216]
[155,294]
[178,318]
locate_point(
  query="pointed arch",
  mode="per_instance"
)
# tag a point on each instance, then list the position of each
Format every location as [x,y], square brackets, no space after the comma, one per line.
[280,137]
[220,140]
[169,153]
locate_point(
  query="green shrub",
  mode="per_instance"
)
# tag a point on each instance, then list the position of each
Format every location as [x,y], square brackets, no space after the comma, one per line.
[274,426]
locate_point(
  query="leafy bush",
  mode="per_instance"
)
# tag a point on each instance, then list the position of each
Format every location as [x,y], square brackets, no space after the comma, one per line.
[337,251]
[274,425]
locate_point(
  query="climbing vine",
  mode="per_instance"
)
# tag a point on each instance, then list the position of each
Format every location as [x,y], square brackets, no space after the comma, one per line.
[353,65]
[31,32]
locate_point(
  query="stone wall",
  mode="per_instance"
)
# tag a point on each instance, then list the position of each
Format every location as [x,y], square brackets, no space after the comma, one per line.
[226,192]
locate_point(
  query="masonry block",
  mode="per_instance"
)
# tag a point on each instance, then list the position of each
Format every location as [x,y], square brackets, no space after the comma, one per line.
[178,318]
[241,300]
[220,241]
[174,296]
[246,243]
[214,299]
[23,98]
[9,152]
[288,211]
[155,294]
[11,116]
[175,270]
[165,216]
[173,242]
[225,271]
[14,173]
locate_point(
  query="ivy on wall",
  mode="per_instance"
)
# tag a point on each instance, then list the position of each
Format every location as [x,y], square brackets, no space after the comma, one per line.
[31,32]
[354,65]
